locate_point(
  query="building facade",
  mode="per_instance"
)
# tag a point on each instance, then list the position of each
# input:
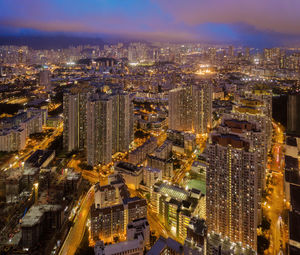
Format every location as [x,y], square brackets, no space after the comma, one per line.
[99,130]
[231,188]
[190,108]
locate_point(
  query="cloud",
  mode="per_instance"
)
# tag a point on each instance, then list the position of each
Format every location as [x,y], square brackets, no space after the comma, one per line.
[210,20]
[280,16]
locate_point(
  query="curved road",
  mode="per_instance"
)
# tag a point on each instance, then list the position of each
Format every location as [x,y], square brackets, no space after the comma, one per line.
[76,232]
[275,205]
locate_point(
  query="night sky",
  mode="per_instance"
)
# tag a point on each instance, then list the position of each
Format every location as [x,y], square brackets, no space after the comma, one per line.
[251,22]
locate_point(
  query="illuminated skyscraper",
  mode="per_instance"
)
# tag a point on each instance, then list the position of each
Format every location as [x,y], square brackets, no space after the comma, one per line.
[202,108]
[121,117]
[231,51]
[256,106]
[293,115]
[249,131]
[190,108]
[99,130]
[247,53]
[44,79]
[180,109]
[74,112]
[231,188]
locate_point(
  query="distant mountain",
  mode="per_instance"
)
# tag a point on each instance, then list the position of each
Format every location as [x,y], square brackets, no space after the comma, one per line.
[49,42]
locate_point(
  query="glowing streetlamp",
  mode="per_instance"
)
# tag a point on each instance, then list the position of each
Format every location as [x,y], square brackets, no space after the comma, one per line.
[36,189]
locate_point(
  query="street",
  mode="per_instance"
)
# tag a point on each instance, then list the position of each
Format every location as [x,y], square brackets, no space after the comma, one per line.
[18,159]
[76,232]
[275,205]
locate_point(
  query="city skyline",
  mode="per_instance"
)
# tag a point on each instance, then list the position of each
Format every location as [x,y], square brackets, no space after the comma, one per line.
[149,127]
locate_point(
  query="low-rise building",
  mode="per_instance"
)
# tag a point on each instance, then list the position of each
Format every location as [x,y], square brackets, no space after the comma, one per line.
[13,185]
[151,176]
[38,220]
[132,174]
[12,139]
[164,151]
[166,246]
[199,167]
[72,182]
[139,155]
[30,176]
[195,242]
[132,247]
[175,206]
[165,165]
[40,159]
[113,209]
[182,142]
[139,227]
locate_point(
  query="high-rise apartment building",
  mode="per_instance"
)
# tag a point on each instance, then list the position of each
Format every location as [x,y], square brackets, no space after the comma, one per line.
[231,188]
[190,108]
[249,131]
[293,116]
[121,117]
[180,109]
[256,106]
[231,51]
[100,123]
[202,108]
[247,53]
[75,114]
[44,79]
[99,129]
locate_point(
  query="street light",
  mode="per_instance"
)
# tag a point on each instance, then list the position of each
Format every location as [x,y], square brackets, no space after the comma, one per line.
[36,189]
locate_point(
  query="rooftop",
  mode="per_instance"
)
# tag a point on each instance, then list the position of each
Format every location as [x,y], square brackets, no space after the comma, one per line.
[291,162]
[122,165]
[173,191]
[197,163]
[230,139]
[163,243]
[35,214]
[291,141]
[295,197]
[239,124]
[292,176]
[38,158]
[294,223]
[151,169]
[198,226]
[30,171]
[121,248]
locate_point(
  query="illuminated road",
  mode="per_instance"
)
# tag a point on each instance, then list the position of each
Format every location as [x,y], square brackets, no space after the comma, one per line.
[158,227]
[181,173]
[275,205]
[17,160]
[177,178]
[154,222]
[76,232]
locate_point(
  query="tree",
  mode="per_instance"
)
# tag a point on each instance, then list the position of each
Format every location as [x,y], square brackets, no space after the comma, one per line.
[116,239]
[262,244]
[84,248]
[265,224]
[148,196]
[141,134]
